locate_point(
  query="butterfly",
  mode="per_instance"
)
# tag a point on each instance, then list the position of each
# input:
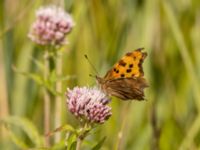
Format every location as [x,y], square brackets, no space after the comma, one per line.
[126,79]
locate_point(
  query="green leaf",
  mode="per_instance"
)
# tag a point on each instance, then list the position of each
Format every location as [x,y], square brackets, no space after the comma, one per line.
[64,78]
[73,146]
[35,77]
[71,142]
[27,126]
[68,127]
[63,128]
[38,63]
[53,77]
[39,80]
[60,145]
[16,139]
[99,144]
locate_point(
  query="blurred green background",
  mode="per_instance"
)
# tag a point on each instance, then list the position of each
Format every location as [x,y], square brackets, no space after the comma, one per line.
[169,30]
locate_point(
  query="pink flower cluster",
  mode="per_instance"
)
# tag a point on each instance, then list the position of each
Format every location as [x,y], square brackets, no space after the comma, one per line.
[51,26]
[88,104]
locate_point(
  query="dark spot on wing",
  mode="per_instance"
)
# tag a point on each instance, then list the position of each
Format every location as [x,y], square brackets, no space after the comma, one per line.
[122,75]
[128,70]
[139,49]
[131,66]
[116,70]
[140,67]
[128,54]
[122,63]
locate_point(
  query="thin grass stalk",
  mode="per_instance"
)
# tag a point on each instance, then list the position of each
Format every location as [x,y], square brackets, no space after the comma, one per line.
[20,16]
[81,136]
[58,102]
[155,129]
[78,144]
[124,117]
[4,109]
[192,132]
[46,99]
[183,51]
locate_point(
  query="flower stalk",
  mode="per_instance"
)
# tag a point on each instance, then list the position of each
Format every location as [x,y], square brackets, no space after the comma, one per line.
[78,144]
[59,99]
[82,133]
[46,98]
[124,119]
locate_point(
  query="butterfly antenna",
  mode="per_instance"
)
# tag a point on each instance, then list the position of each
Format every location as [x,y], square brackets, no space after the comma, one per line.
[91,66]
[92,76]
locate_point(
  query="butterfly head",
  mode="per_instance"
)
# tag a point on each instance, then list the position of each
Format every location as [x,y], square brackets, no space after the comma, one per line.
[100,80]
[102,83]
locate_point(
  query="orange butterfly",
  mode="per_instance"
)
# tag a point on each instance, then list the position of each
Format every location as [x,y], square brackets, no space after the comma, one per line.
[126,79]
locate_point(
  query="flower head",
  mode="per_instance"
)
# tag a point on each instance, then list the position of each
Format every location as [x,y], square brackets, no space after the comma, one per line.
[89,104]
[51,26]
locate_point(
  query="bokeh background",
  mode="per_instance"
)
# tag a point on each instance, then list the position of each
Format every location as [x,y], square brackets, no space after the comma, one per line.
[169,30]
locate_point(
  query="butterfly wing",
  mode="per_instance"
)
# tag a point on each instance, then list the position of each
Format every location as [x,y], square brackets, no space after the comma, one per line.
[126,88]
[129,66]
[125,80]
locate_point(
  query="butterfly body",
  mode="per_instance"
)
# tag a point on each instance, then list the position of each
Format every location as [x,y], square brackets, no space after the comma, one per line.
[125,80]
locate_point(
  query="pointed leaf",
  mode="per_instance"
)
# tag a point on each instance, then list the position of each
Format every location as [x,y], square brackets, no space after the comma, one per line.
[99,144]
[59,145]
[38,63]
[63,128]
[16,139]
[64,78]
[27,126]
[37,78]
[71,141]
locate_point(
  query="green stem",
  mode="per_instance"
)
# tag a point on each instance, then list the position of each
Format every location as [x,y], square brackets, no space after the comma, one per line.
[82,134]
[124,116]
[155,129]
[194,129]
[4,107]
[58,102]
[78,144]
[46,99]
[184,51]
